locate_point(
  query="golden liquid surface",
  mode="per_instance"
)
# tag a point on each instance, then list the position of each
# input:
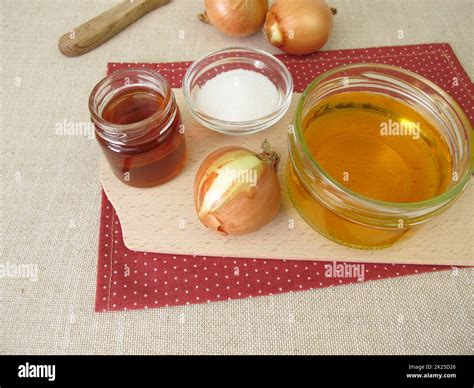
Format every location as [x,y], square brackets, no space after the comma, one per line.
[379,147]
[345,135]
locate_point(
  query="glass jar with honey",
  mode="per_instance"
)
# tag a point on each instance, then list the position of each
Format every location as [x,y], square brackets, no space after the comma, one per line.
[138,126]
[376,151]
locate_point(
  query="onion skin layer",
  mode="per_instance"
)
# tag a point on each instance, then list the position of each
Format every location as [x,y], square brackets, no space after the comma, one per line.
[299,26]
[237,18]
[245,211]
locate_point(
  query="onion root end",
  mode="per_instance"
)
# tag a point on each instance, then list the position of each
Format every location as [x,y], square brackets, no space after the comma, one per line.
[204,18]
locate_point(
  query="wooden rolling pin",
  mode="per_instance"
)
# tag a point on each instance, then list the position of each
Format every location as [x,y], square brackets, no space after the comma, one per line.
[97,30]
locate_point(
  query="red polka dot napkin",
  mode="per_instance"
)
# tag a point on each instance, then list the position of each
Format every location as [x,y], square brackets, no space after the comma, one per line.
[129,280]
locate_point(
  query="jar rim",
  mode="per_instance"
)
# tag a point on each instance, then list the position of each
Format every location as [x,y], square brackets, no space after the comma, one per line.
[440,199]
[159,114]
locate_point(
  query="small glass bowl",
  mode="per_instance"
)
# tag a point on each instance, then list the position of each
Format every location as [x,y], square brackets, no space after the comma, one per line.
[234,58]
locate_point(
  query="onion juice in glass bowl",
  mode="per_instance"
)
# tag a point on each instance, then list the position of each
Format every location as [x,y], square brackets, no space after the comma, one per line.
[238,91]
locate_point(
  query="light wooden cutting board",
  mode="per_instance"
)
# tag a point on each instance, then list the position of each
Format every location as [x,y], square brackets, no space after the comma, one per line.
[162,219]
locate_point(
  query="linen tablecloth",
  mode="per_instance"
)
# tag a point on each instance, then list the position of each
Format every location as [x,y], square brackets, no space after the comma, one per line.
[51,195]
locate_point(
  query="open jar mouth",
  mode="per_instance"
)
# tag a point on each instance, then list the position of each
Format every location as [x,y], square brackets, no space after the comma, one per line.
[413,89]
[118,81]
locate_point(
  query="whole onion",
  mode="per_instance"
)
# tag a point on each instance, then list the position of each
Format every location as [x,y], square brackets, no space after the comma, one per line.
[235,17]
[299,26]
[236,191]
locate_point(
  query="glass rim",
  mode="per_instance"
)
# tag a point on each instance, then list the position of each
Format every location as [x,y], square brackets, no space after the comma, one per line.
[436,200]
[120,128]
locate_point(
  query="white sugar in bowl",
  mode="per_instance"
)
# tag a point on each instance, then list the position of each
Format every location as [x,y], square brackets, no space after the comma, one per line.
[238,91]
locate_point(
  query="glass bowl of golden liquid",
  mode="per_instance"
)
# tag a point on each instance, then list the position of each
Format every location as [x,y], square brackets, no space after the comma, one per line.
[375,152]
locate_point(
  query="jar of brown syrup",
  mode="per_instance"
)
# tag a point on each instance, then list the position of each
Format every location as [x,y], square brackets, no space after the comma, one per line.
[138,126]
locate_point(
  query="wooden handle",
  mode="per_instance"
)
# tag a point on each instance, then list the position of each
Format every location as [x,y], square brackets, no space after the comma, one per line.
[104,26]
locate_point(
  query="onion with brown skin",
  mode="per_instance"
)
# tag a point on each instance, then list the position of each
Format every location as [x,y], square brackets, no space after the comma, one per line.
[237,206]
[299,26]
[235,17]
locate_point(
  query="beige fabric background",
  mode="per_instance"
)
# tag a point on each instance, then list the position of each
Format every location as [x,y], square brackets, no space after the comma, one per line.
[51,192]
